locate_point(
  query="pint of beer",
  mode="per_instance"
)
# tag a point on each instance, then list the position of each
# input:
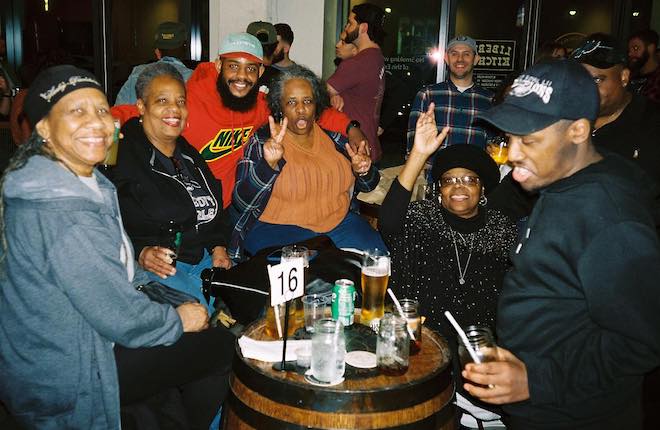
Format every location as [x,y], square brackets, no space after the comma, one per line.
[375,275]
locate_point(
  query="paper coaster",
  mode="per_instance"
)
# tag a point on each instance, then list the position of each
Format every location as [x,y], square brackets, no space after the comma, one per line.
[361,359]
[312,380]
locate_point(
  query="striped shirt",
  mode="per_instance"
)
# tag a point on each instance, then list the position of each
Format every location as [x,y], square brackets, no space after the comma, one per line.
[453,108]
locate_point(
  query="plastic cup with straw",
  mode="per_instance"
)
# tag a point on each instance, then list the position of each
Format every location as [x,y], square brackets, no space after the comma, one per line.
[400,310]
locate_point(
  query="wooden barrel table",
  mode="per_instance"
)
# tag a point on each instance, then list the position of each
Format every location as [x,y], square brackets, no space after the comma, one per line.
[263,399]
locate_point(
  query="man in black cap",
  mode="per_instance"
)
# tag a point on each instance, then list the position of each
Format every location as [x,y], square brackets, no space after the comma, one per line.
[627,123]
[578,318]
[267,35]
[170,46]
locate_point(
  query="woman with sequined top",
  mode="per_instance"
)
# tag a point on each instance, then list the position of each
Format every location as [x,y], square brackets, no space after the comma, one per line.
[451,252]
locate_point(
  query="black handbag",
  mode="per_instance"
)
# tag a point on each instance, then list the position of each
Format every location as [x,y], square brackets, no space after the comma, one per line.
[160,293]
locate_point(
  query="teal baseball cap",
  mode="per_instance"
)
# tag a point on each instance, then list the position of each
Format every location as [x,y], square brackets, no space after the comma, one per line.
[241,45]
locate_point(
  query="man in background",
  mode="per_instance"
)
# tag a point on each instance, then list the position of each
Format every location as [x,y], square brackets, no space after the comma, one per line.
[644,64]
[281,60]
[170,46]
[458,100]
[267,35]
[358,84]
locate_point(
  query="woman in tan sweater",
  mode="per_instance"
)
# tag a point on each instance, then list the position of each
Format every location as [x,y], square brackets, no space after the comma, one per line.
[296,180]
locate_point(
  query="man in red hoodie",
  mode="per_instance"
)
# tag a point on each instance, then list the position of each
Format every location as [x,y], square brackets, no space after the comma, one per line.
[226,107]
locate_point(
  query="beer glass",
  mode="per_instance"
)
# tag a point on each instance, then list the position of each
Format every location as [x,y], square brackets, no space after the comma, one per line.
[111,155]
[375,275]
[498,150]
[271,324]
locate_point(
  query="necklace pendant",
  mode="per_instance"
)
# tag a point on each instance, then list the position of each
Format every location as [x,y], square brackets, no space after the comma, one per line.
[461,281]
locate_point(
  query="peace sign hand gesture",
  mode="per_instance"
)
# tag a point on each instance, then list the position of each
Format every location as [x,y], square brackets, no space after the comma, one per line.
[360,159]
[273,148]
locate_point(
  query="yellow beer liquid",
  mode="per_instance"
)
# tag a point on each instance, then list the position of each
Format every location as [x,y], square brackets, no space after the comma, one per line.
[499,153]
[374,286]
[296,319]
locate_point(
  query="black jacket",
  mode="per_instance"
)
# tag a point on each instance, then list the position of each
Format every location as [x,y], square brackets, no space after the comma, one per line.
[581,306]
[149,197]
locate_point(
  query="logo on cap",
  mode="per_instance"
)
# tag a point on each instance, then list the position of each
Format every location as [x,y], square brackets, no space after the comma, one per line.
[62,86]
[525,85]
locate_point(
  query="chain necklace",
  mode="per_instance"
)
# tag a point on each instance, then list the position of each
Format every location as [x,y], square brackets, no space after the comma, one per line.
[461,271]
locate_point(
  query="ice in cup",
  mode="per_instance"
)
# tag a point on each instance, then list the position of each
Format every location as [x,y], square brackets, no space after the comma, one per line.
[315,307]
[328,350]
[375,276]
[295,251]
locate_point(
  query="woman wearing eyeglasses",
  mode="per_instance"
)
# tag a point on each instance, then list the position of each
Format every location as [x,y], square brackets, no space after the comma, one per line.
[165,186]
[451,252]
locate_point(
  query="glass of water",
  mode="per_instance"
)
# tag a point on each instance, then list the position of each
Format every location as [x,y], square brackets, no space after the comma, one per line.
[328,350]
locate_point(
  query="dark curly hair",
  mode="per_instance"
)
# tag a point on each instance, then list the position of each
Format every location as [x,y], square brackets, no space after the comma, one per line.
[319,90]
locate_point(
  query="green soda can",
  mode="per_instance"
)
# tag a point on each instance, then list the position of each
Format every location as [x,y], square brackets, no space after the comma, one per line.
[343,301]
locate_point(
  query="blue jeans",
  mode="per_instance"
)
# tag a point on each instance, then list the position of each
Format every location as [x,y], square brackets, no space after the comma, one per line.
[188,279]
[352,232]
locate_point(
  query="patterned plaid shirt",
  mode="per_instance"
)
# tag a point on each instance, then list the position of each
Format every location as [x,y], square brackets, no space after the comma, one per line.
[453,108]
[255,180]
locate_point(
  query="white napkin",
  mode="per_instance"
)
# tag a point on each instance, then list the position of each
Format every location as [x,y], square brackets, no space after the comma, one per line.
[270,350]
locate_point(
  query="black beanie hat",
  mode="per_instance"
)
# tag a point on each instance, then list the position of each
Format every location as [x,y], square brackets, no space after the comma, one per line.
[467,157]
[51,85]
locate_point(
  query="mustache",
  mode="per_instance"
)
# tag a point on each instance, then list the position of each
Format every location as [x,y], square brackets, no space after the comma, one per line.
[239,104]
[241,81]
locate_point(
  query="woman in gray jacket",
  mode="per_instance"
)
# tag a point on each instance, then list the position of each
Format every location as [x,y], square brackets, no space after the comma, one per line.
[68,274]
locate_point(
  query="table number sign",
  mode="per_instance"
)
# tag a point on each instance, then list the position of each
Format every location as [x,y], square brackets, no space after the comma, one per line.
[286,281]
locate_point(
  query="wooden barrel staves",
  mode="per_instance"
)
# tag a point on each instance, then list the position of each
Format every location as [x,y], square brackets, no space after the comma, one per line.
[263,399]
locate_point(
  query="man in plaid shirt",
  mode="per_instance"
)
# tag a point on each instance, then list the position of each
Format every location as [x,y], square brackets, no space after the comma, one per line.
[457,101]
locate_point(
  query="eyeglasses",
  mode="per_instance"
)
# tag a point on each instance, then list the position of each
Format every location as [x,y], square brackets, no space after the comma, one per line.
[468,181]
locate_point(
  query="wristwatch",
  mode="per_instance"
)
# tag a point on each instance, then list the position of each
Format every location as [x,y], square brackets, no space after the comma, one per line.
[352,124]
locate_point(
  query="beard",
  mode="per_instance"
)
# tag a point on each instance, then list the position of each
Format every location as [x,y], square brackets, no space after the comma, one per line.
[277,57]
[238,104]
[637,63]
[350,37]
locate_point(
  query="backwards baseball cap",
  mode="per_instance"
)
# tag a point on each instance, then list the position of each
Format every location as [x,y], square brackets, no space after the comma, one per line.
[241,45]
[545,93]
[463,40]
[601,51]
[170,35]
[51,85]
[264,31]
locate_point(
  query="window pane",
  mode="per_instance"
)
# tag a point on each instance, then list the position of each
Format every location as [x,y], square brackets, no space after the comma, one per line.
[56,33]
[134,25]
[568,21]
[498,29]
